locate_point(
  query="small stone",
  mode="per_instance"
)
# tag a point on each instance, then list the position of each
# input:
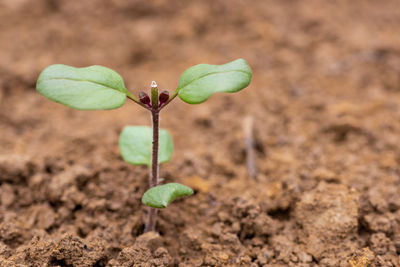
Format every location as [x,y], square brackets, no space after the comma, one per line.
[329,262]
[293,258]
[45,217]
[235,227]
[223,256]
[304,257]
[223,216]
[323,174]
[361,259]
[160,252]
[245,260]
[216,229]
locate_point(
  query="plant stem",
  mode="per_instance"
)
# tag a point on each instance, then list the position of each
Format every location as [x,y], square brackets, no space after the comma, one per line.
[154,157]
[153,178]
[151,220]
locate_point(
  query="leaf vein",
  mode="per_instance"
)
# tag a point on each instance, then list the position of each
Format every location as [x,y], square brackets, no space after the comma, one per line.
[81,80]
[212,73]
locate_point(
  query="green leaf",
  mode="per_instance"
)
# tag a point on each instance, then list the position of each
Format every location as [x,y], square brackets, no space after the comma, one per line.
[89,88]
[135,143]
[160,196]
[199,82]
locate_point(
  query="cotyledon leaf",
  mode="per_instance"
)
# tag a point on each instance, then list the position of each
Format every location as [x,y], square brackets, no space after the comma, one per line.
[89,88]
[135,143]
[199,82]
[160,196]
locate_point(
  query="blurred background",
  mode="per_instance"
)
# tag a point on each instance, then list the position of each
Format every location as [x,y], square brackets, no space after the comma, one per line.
[324,98]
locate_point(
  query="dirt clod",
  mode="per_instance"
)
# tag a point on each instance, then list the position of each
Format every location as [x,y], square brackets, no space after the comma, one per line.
[329,212]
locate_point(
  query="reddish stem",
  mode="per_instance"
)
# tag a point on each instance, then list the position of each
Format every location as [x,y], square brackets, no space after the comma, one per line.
[153,178]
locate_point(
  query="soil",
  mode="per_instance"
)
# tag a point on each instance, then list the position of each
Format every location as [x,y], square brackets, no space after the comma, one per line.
[325,102]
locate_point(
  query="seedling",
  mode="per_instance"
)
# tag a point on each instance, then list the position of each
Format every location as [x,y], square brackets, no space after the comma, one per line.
[97,87]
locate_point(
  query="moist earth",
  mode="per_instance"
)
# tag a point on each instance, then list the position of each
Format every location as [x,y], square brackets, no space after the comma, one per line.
[325,104]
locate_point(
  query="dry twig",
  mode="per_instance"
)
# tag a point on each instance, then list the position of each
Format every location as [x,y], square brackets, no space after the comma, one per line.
[248,128]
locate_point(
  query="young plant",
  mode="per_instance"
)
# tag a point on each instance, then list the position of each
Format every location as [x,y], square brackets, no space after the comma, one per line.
[97,87]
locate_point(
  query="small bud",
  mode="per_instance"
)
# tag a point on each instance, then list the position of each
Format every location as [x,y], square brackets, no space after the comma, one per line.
[163,97]
[153,84]
[144,98]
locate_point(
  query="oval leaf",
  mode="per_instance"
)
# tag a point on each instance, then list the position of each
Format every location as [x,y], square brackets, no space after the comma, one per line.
[135,143]
[199,82]
[89,88]
[160,196]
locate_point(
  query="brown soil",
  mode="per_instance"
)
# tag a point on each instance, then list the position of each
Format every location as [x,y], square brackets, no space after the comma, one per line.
[325,99]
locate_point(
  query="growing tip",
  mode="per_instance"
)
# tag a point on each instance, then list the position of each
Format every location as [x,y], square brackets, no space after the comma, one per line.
[163,97]
[153,84]
[144,98]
